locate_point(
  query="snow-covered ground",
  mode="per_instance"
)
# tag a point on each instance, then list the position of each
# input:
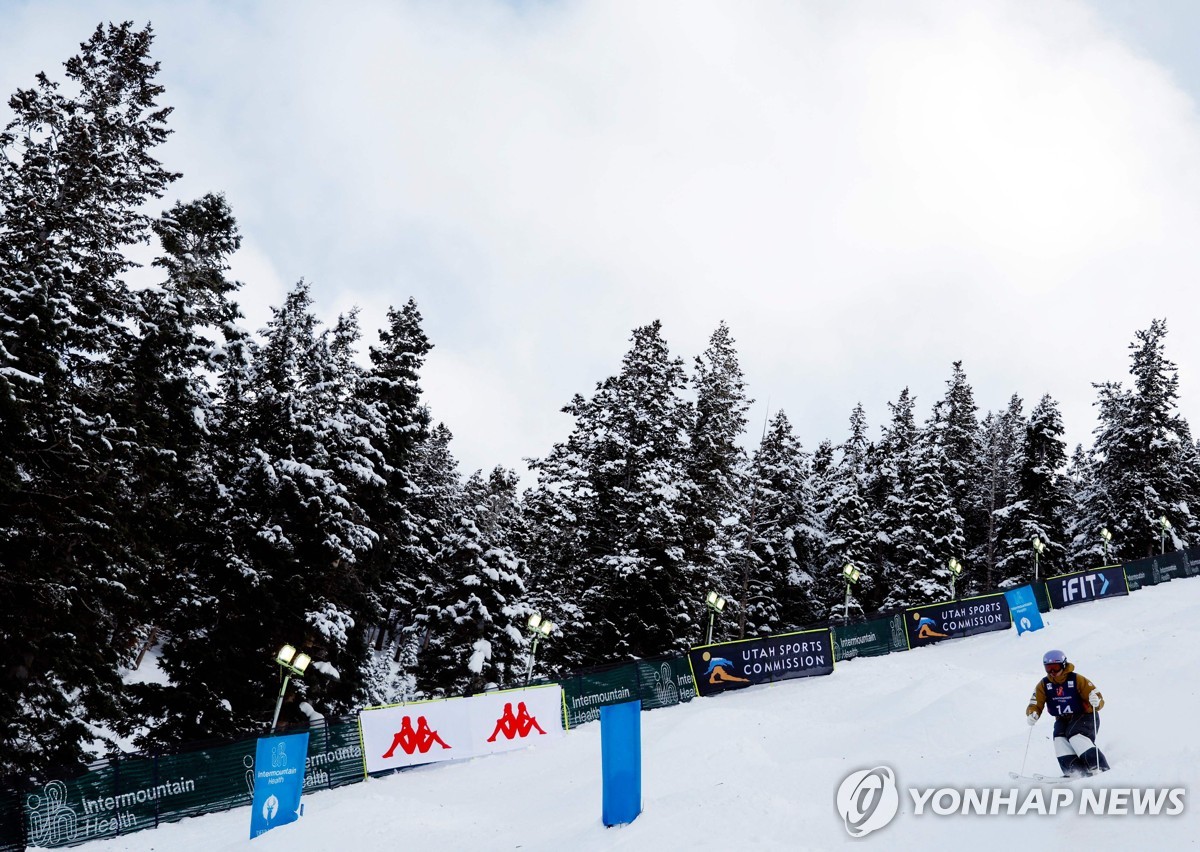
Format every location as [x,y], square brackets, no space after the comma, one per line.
[760,768]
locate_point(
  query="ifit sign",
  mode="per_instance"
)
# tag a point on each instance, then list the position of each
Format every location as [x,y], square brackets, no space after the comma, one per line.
[430,731]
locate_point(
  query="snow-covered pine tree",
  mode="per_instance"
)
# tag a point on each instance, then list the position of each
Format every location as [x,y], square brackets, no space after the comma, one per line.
[891,483]
[1040,504]
[623,469]
[476,618]
[436,506]
[400,430]
[293,533]
[845,515]
[1001,438]
[76,172]
[933,534]
[788,537]
[188,327]
[958,426]
[716,522]
[1136,477]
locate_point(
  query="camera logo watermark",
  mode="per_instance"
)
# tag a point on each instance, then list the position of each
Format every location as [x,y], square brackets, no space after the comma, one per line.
[868,800]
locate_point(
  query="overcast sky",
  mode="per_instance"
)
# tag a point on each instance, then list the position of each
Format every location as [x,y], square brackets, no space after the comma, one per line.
[864,192]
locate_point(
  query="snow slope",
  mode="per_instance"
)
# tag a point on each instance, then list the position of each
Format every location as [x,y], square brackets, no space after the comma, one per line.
[759,769]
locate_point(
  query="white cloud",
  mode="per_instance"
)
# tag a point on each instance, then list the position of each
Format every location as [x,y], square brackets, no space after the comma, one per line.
[865,192]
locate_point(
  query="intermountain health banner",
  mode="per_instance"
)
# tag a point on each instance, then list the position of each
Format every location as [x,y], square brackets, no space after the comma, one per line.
[1083,586]
[1155,569]
[278,780]
[869,639]
[733,665]
[935,622]
[1022,603]
[1191,561]
[457,728]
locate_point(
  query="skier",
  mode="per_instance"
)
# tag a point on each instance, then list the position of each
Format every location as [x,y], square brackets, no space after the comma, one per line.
[1073,701]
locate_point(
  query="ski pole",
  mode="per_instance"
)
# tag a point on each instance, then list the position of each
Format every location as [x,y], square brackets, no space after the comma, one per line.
[1028,740]
[1096,742]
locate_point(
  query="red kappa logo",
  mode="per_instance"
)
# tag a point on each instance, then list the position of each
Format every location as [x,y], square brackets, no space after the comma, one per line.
[422,739]
[515,726]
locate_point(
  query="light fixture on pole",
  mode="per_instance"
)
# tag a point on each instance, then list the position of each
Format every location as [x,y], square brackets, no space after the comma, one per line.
[956,568]
[851,574]
[1163,525]
[293,664]
[1038,548]
[539,628]
[1107,537]
[715,604]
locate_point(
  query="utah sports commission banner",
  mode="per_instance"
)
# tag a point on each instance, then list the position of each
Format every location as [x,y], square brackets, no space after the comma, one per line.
[733,665]
[1083,586]
[925,625]
[457,728]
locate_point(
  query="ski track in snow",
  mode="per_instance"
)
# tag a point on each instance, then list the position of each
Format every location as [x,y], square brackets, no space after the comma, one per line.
[760,768]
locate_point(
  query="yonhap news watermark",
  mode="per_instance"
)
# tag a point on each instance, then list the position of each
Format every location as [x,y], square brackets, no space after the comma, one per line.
[869,799]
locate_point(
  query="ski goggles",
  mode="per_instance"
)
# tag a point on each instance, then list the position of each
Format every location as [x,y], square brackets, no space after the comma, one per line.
[1053,668]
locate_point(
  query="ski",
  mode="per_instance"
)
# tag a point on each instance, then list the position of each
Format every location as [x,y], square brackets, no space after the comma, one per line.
[1037,776]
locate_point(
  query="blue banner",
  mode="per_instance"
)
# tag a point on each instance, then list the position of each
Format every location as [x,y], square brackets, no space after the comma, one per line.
[745,662]
[1023,606]
[935,622]
[1083,586]
[278,779]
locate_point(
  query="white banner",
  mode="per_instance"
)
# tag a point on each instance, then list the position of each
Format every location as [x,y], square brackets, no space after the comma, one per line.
[424,732]
[503,721]
[429,731]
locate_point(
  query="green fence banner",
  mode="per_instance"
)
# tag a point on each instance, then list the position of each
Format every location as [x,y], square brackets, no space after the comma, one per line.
[585,694]
[1191,562]
[665,682]
[869,639]
[131,793]
[334,756]
[1155,569]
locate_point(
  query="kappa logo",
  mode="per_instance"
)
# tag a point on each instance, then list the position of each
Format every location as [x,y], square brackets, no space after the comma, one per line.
[421,739]
[518,725]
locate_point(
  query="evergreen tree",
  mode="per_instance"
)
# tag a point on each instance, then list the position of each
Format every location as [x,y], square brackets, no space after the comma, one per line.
[715,517]
[1002,449]
[958,426]
[636,591]
[1040,504]
[788,536]
[475,619]
[76,172]
[892,484]
[401,429]
[933,533]
[845,517]
[188,328]
[1136,475]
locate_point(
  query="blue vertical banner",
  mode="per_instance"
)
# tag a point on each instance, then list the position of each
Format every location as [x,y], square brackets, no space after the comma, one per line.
[278,779]
[1023,606]
[621,761]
